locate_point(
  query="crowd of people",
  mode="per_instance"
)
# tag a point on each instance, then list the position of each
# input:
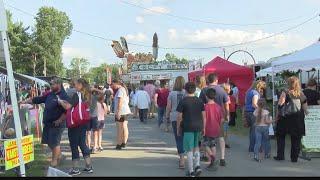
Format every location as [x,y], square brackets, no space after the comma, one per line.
[199,114]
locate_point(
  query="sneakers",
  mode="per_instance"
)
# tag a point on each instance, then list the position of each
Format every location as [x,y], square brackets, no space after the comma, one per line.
[222,162]
[100,149]
[94,150]
[227,146]
[88,170]
[198,171]
[191,174]
[123,145]
[204,159]
[118,147]
[74,172]
[256,158]
[213,166]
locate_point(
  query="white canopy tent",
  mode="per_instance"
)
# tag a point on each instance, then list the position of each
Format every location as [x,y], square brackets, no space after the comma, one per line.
[305,59]
[264,72]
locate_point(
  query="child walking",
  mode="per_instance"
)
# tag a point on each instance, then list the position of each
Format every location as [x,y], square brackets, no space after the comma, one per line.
[102,109]
[190,122]
[263,121]
[212,124]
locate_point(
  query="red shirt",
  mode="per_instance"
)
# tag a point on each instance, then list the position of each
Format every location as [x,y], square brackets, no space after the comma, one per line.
[163,94]
[213,120]
[232,104]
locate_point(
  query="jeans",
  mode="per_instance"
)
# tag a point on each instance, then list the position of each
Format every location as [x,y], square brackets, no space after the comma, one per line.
[77,138]
[143,115]
[268,146]
[251,121]
[179,139]
[161,112]
[262,134]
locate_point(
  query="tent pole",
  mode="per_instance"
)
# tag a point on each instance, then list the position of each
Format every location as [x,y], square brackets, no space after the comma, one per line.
[273,96]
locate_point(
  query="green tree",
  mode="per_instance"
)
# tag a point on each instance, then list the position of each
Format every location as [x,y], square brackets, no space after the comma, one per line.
[20,46]
[174,59]
[78,68]
[52,28]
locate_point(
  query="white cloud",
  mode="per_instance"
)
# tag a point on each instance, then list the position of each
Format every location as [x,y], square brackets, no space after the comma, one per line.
[139,37]
[139,19]
[214,37]
[156,10]
[172,33]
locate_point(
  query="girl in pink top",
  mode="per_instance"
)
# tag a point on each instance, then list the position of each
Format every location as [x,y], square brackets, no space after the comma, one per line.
[102,110]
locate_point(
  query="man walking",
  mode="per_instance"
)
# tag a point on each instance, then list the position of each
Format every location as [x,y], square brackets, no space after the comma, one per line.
[142,102]
[221,98]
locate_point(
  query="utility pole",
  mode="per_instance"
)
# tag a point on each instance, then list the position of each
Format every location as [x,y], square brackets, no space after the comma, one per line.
[34,55]
[13,93]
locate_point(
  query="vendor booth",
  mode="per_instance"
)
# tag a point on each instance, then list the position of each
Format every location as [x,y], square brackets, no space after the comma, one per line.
[227,71]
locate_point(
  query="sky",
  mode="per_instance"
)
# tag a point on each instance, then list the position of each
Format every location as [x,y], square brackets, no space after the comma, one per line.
[114,18]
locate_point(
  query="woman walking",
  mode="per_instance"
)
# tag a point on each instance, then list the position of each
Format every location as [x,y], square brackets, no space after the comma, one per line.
[171,114]
[201,84]
[77,135]
[293,107]
[122,110]
[251,104]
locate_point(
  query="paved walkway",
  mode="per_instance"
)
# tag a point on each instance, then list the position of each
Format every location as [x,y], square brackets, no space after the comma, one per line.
[151,152]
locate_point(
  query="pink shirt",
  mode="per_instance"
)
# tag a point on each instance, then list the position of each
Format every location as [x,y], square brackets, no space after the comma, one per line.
[213,120]
[102,111]
[151,89]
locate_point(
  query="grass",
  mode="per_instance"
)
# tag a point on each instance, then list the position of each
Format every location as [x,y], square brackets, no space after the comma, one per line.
[37,168]
[238,129]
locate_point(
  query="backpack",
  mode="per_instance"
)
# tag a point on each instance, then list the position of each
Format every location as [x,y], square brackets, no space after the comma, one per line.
[78,115]
[291,106]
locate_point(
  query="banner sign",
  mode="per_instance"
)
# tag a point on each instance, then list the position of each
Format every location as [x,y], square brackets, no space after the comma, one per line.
[11,151]
[165,66]
[311,142]
[146,77]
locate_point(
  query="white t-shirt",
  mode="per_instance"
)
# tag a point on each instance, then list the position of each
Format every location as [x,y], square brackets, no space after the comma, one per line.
[142,99]
[125,109]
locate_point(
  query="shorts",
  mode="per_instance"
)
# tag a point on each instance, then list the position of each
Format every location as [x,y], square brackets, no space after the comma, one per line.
[191,140]
[122,118]
[92,124]
[51,136]
[100,124]
[209,142]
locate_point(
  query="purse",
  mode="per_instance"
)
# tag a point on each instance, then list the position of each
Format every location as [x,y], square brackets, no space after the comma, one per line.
[78,115]
[290,106]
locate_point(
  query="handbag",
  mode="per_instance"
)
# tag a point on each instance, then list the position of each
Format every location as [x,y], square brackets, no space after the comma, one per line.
[78,115]
[290,106]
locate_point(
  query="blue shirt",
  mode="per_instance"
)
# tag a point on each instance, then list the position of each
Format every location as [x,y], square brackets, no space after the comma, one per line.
[249,97]
[52,110]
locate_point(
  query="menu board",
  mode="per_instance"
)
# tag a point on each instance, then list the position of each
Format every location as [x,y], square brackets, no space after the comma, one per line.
[311,142]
